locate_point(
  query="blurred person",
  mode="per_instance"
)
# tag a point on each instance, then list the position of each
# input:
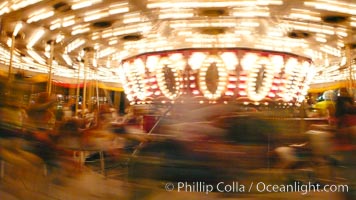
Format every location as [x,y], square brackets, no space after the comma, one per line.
[57,147]
[326,106]
[12,113]
[345,118]
[12,119]
[72,105]
[40,113]
[345,109]
[69,133]
[43,135]
[320,140]
[316,153]
[130,117]
[213,143]
[117,134]
[105,113]
[67,113]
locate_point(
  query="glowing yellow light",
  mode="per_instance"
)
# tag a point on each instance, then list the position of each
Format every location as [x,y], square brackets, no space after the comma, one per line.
[222,81]
[161,79]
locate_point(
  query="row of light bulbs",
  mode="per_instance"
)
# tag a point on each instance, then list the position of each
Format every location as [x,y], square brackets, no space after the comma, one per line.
[256,75]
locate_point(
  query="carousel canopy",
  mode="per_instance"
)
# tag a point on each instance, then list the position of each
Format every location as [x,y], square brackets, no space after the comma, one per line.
[101,35]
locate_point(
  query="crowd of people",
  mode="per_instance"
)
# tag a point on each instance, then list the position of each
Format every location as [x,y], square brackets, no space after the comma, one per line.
[34,134]
[323,142]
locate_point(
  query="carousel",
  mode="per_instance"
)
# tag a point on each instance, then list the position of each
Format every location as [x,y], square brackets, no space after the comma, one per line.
[153,59]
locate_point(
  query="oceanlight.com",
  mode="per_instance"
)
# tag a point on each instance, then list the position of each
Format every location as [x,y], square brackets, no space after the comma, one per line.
[259,187]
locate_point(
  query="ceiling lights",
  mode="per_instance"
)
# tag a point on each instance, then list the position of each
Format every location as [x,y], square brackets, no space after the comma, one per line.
[315,29]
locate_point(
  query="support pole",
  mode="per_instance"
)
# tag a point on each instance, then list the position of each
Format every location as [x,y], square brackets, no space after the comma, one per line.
[12,48]
[78,92]
[50,61]
[97,95]
[86,62]
[349,66]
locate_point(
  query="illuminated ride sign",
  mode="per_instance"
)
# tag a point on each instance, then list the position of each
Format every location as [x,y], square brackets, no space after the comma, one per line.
[216,76]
